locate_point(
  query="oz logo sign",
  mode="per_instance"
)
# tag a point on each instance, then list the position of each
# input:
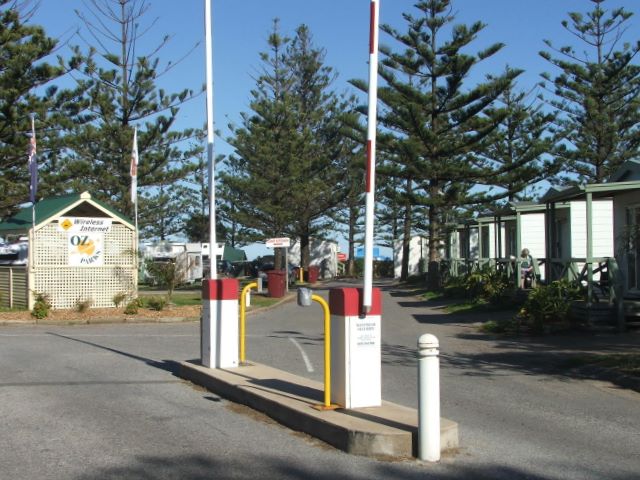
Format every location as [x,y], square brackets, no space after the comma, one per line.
[86,250]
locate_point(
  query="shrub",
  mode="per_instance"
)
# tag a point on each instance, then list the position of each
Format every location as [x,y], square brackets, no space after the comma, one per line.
[496,287]
[119,298]
[550,304]
[83,305]
[41,306]
[132,307]
[486,284]
[156,303]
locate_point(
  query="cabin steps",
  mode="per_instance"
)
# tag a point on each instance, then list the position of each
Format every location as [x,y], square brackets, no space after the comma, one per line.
[603,315]
[632,312]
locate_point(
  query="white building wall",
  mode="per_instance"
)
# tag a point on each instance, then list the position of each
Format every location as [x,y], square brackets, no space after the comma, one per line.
[602,221]
[532,230]
[602,212]
[603,244]
[323,254]
[503,240]
[418,248]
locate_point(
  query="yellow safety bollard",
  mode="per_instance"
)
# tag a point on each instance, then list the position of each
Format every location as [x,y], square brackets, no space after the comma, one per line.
[301,276]
[327,351]
[243,314]
[304,300]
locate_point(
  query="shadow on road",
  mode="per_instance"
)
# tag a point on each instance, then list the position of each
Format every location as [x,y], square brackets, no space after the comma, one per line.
[223,466]
[166,365]
[560,355]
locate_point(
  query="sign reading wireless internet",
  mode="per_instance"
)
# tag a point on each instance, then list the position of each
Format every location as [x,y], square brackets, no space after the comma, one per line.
[85,245]
[84,225]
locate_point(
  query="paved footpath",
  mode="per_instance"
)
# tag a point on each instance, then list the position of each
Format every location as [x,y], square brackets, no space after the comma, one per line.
[100,401]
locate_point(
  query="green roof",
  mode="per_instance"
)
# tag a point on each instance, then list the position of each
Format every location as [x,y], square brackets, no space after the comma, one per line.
[49,207]
[233,254]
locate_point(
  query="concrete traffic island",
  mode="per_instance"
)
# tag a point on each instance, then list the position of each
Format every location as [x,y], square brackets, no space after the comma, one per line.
[390,430]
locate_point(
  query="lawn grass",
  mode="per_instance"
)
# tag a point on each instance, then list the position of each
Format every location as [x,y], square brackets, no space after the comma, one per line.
[468,306]
[179,298]
[260,301]
[431,295]
[182,299]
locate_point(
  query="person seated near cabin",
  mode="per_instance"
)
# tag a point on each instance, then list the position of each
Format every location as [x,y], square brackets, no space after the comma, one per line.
[526,269]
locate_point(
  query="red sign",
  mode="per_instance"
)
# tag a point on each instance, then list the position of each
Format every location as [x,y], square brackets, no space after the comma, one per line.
[342,257]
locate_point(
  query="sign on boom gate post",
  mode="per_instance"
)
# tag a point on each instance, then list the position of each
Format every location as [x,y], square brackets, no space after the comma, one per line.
[356,377]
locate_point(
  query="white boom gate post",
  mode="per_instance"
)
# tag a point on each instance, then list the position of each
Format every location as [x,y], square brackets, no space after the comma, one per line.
[356,314]
[219,337]
[219,324]
[370,180]
[210,139]
[356,378]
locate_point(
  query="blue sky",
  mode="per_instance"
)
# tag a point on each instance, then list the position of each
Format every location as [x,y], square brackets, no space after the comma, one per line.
[340,26]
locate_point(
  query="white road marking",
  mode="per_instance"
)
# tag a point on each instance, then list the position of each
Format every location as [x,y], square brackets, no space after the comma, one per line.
[307,362]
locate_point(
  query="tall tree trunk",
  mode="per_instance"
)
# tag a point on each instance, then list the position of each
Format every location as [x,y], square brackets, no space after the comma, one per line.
[278,258]
[304,251]
[406,243]
[353,220]
[434,234]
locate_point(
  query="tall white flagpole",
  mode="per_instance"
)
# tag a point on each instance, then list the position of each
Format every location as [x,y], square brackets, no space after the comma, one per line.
[370,179]
[33,172]
[210,139]
[133,171]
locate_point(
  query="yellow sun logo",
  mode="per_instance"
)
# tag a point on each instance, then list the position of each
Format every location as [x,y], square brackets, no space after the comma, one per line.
[67,224]
[88,248]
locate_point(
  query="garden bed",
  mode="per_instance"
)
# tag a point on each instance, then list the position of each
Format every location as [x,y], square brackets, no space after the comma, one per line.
[102,315]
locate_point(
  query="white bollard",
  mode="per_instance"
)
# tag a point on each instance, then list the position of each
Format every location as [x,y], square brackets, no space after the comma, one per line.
[428,398]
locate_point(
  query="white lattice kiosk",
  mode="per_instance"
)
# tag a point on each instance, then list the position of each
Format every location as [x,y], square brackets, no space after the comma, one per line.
[79,250]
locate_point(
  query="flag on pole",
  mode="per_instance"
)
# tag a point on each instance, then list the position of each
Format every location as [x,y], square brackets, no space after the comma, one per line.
[33,164]
[134,167]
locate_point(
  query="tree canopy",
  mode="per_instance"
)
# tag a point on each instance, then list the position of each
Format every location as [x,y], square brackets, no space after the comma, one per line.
[286,174]
[27,86]
[596,95]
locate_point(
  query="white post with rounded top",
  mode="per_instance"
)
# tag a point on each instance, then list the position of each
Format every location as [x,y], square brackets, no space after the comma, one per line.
[428,398]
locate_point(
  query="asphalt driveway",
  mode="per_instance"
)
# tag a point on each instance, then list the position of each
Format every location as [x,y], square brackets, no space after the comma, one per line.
[101,401]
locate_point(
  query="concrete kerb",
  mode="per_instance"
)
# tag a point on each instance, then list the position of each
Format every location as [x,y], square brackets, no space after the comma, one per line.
[386,431]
